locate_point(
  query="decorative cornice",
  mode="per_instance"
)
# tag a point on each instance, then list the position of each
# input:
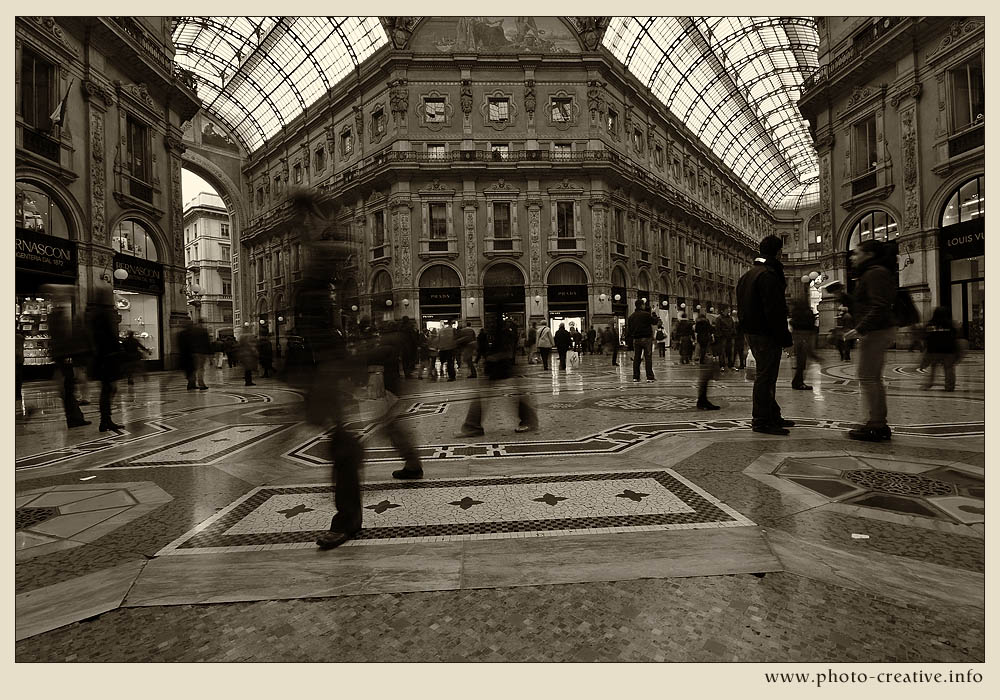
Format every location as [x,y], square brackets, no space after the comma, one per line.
[913,91]
[174,145]
[591,30]
[49,26]
[92,89]
[960,29]
[399,29]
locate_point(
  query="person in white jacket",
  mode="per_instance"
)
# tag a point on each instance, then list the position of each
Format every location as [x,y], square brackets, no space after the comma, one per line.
[545,343]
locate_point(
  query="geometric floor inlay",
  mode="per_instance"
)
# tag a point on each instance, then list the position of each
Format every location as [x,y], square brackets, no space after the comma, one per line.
[465,508]
[203,449]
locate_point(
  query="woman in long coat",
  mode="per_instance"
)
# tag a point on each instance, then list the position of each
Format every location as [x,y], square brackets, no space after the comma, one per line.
[246,353]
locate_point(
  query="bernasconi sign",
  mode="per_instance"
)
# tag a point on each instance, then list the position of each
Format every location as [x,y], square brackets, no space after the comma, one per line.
[39,252]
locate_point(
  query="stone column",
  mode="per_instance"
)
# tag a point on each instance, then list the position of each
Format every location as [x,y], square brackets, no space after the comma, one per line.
[600,313]
[473,290]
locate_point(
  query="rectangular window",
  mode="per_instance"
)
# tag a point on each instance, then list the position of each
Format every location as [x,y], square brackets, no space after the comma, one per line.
[378,122]
[436,151]
[619,225]
[137,143]
[643,235]
[501,220]
[260,196]
[37,101]
[434,110]
[297,173]
[565,227]
[296,252]
[967,96]
[194,228]
[561,109]
[346,143]
[224,229]
[438,215]
[499,110]
[658,156]
[320,159]
[378,228]
[277,266]
[224,252]
[194,252]
[499,151]
[612,121]
[227,288]
[865,154]
[562,151]
[277,185]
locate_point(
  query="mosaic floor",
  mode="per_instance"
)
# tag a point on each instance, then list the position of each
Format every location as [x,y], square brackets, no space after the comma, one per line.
[671,535]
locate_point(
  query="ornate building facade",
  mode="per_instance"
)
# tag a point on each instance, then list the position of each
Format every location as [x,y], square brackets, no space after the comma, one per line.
[898,113]
[98,114]
[476,165]
[208,256]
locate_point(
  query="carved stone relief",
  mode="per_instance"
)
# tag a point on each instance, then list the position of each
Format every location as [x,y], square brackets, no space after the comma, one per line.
[97,177]
[471,254]
[535,242]
[599,214]
[911,184]
[529,98]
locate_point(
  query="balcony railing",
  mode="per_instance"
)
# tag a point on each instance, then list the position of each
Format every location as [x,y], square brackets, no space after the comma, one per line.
[40,144]
[966,141]
[877,30]
[863,184]
[152,48]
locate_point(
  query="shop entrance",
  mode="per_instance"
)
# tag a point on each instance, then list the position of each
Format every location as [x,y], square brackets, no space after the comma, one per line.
[440,296]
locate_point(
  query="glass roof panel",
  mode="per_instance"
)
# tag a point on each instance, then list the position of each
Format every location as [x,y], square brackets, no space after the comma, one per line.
[256,74]
[735,82]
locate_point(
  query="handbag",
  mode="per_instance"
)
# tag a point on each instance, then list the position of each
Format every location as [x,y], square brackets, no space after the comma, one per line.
[573,357]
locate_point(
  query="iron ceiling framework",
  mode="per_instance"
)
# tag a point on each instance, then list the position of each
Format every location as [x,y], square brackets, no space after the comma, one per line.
[734,81]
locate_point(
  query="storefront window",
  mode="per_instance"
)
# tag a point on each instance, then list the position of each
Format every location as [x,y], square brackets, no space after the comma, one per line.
[35,211]
[140,313]
[131,238]
[878,225]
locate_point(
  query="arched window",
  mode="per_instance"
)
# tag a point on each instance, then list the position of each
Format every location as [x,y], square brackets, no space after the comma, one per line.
[878,225]
[814,237]
[567,273]
[132,238]
[34,210]
[382,282]
[967,203]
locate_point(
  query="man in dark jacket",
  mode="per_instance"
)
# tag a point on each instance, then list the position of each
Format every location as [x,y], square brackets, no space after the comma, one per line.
[871,305]
[764,321]
[103,324]
[563,340]
[704,333]
[640,331]
[725,335]
[465,341]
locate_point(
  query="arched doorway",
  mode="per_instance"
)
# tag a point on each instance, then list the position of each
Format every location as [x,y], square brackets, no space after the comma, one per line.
[139,291]
[381,306]
[568,300]
[440,296]
[44,255]
[503,289]
[644,289]
[962,248]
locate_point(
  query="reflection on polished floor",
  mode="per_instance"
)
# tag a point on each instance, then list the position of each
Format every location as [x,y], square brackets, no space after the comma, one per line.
[632,527]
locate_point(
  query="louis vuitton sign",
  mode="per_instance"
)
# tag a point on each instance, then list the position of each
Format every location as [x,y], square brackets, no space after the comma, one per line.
[143,275]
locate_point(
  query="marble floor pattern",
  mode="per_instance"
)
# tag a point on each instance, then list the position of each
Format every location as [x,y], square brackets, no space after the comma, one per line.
[645,529]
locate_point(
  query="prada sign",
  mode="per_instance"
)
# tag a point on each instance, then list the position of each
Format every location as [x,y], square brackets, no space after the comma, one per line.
[565,293]
[38,252]
[143,275]
[441,296]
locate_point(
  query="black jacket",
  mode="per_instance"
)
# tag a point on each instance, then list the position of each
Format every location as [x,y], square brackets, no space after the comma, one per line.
[563,339]
[640,325]
[761,298]
[871,303]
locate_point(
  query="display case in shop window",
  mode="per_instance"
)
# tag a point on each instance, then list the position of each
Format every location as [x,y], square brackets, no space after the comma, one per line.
[32,316]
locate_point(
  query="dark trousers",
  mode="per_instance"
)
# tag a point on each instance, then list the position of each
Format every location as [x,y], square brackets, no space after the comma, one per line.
[448,358]
[268,369]
[767,353]
[614,353]
[947,362]
[544,352]
[247,377]
[642,347]
[686,348]
[662,345]
[708,370]
[526,413]
[703,345]
[803,342]
[70,407]
[107,392]
[727,346]
[346,453]
[562,357]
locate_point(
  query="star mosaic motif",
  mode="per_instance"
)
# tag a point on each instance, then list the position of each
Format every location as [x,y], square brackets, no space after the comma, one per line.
[297,510]
[632,495]
[550,499]
[466,503]
[383,506]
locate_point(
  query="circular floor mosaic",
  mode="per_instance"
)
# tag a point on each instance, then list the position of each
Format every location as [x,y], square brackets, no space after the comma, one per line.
[664,403]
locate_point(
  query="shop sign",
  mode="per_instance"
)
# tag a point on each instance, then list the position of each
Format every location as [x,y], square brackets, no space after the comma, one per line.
[956,245]
[441,296]
[143,275]
[39,252]
[504,295]
[565,293]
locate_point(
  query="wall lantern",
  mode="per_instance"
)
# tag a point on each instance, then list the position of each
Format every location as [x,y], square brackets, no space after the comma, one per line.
[406,302]
[263,322]
[644,300]
[538,299]
[354,307]
[665,303]
[603,297]
[388,302]
[683,305]
[121,274]
[618,297]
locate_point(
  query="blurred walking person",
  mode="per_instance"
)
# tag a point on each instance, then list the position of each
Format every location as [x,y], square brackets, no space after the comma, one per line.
[246,353]
[685,339]
[68,341]
[446,349]
[941,343]
[545,344]
[640,332]
[265,355]
[725,335]
[466,342]
[134,351]
[108,356]
[499,367]
[874,266]
[563,340]
[704,333]
[803,323]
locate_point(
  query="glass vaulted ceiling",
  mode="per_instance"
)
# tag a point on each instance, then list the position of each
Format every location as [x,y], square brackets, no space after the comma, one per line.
[256,74]
[734,81]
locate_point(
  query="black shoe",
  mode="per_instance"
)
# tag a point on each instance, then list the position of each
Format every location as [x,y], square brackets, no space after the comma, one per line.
[785,423]
[203,388]
[802,387]
[770,429]
[406,473]
[249,384]
[706,405]
[526,428]
[650,380]
[103,427]
[867,434]
[191,387]
[77,423]
[470,432]
[331,539]
[886,432]
[83,402]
